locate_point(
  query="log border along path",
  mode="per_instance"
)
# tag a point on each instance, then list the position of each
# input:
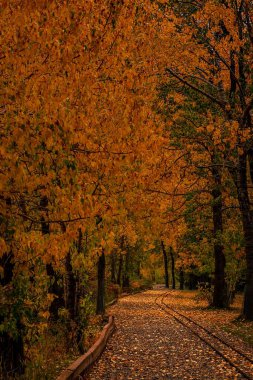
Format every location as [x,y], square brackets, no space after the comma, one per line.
[155,341]
[221,347]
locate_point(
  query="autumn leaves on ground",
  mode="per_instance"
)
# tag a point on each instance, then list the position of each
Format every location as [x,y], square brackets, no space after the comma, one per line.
[150,344]
[126,160]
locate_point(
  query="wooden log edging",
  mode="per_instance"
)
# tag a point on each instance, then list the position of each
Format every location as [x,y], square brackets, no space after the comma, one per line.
[75,370]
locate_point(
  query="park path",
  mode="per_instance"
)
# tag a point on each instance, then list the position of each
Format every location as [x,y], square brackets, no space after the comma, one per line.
[149,344]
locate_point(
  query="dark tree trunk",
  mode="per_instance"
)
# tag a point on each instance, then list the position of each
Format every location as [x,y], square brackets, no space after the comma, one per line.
[165,261]
[248,294]
[79,291]
[181,279]
[79,288]
[120,269]
[12,358]
[57,290]
[12,353]
[125,280]
[250,159]
[192,284]
[138,269]
[54,287]
[220,291]
[70,288]
[172,268]
[101,284]
[113,267]
[247,219]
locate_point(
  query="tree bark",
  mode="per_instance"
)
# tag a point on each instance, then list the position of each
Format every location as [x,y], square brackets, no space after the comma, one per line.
[220,291]
[101,284]
[172,268]
[247,219]
[113,267]
[181,279]
[70,288]
[54,287]
[248,294]
[120,269]
[165,261]
[126,280]
[12,358]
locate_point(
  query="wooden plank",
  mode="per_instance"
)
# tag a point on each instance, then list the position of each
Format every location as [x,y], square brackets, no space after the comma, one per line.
[84,361]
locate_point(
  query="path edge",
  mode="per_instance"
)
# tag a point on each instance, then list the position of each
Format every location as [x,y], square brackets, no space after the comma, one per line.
[83,362]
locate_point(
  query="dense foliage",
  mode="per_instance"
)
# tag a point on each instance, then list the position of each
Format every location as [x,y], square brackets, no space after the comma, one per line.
[126,148]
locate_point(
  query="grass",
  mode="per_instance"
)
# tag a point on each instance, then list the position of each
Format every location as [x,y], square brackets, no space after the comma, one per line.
[227,320]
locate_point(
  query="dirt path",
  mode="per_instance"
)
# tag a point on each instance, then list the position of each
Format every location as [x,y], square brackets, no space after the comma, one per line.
[149,344]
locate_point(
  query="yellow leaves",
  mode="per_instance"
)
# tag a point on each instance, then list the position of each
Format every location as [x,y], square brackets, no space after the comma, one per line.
[3,247]
[240,151]
[44,314]
[103,243]
[210,128]
[50,297]
[178,98]
[245,135]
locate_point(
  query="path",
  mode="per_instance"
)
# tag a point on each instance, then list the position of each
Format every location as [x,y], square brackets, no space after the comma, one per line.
[149,344]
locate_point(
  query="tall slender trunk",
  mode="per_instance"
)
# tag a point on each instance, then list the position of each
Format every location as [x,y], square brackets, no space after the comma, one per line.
[248,294]
[172,268]
[113,267]
[120,269]
[181,279]
[101,284]
[126,280]
[70,288]
[54,287]
[12,357]
[138,269]
[120,261]
[57,290]
[78,291]
[220,291]
[247,219]
[165,261]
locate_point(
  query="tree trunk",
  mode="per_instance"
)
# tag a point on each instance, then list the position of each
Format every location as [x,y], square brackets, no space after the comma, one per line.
[120,269]
[57,290]
[54,287]
[101,284]
[12,356]
[113,267]
[12,353]
[79,288]
[165,261]
[70,288]
[247,219]
[220,292]
[138,269]
[172,268]
[248,294]
[181,279]
[125,280]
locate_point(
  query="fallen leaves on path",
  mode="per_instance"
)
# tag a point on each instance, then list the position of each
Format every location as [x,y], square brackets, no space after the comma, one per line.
[149,344]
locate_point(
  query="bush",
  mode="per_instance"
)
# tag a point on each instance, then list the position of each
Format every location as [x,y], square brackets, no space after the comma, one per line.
[205,292]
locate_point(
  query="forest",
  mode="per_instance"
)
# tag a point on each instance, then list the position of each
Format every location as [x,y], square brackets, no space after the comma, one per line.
[126,160]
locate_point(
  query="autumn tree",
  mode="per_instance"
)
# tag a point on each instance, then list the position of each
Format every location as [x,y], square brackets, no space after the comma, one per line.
[207,48]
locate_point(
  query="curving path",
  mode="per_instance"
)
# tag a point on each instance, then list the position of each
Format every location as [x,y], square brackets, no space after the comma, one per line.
[149,344]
